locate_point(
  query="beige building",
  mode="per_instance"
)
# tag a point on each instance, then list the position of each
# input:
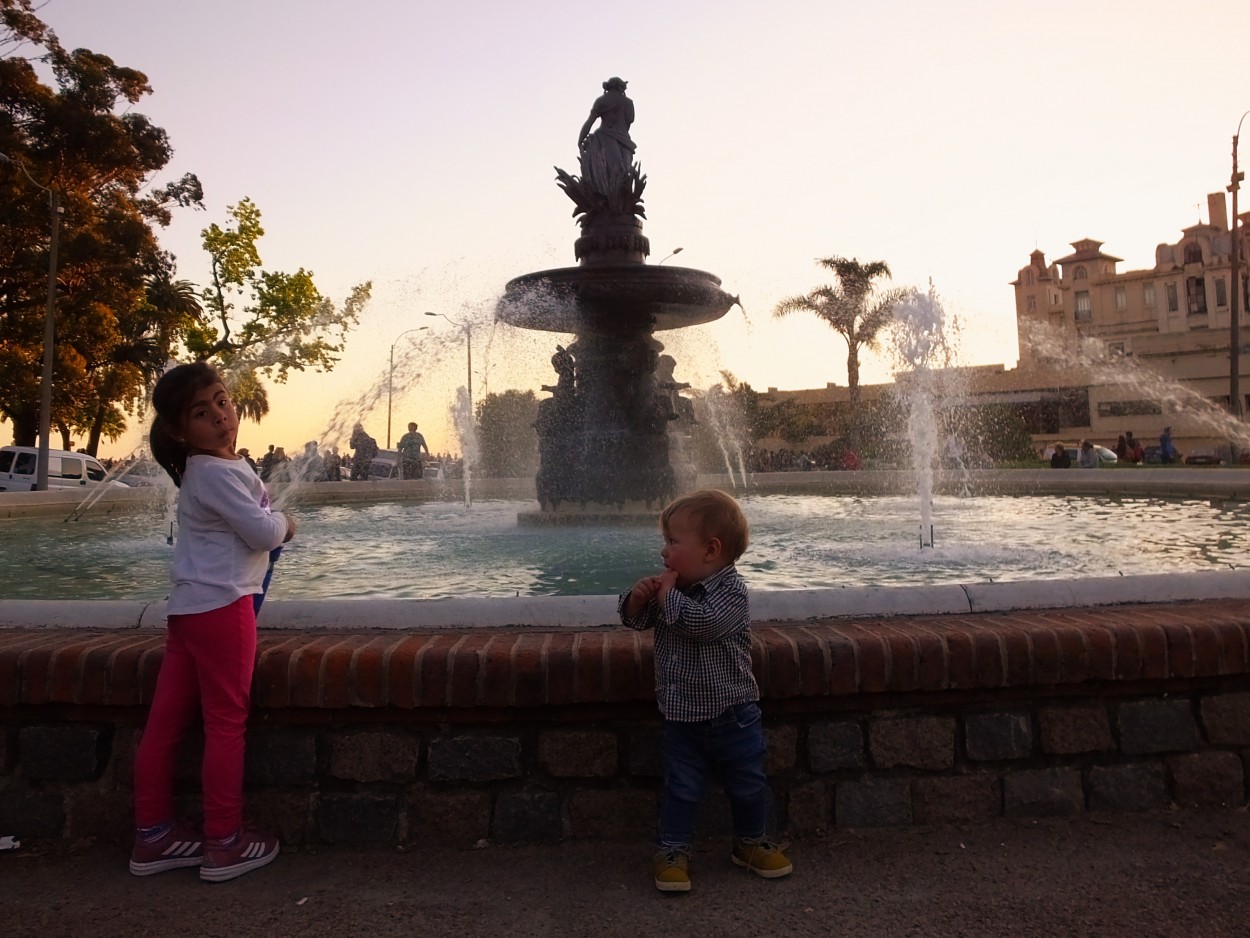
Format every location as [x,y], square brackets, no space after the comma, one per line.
[1104,351]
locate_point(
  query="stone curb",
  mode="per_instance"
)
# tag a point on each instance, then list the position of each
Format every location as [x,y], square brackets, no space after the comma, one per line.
[582,612]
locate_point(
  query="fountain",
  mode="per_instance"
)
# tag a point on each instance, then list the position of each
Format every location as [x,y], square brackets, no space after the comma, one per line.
[603,433]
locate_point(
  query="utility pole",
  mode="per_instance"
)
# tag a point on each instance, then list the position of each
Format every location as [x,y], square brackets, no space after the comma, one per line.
[49,341]
[1234,323]
[49,326]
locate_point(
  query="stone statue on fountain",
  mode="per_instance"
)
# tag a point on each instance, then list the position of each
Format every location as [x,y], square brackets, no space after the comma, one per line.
[560,463]
[607,154]
[608,195]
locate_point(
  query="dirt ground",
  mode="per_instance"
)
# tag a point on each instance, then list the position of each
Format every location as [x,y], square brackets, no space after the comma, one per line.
[1183,874]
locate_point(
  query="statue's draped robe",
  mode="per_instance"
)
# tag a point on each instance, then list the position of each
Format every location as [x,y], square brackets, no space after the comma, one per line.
[608,156]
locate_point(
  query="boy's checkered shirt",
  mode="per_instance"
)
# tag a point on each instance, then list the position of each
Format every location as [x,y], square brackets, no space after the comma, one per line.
[702,647]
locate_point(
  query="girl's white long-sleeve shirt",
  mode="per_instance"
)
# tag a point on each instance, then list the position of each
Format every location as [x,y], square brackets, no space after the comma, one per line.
[225,532]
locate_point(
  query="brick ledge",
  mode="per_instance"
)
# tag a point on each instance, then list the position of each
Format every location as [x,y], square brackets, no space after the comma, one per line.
[519,667]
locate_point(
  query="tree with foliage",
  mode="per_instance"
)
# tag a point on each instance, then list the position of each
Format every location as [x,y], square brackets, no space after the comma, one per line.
[507,440]
[146,334]
[80,138]
[852,306]
[265,321]
[791,421]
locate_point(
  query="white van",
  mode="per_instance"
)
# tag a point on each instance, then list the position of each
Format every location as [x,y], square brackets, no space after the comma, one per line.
[65,469]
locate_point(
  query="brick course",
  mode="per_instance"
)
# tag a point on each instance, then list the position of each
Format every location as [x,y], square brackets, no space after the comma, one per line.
[525,735]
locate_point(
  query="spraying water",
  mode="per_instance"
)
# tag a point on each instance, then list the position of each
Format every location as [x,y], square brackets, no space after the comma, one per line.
[466,431]
[721,413]
[1100,366]
[922,349]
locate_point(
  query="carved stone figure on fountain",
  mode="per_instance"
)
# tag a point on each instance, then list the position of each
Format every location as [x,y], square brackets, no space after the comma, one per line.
[566,370]
[681,424]
[680,407]
[607,154]
[608,194]
[559,430]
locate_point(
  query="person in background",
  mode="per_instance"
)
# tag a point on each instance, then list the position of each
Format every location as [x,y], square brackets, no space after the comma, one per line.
[267,463]
[706,690]
[311,467]
[280,470]
[333,465]
[1136,453]
[226,532]
[247,458]
[410,446]
[1059,458]
[1087,458]
[1167,452]
[366,447]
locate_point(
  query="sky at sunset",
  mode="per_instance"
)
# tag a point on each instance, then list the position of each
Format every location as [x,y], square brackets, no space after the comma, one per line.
[412,143]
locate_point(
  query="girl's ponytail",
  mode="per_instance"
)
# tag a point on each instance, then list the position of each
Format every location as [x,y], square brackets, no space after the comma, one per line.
[171,399]
[167,451]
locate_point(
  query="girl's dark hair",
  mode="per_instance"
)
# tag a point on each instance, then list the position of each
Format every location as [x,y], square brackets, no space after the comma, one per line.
[171,399]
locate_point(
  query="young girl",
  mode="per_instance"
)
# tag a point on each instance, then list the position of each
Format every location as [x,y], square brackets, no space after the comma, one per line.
[226,531]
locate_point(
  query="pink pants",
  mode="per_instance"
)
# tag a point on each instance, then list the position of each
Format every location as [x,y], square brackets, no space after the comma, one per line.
[209,657]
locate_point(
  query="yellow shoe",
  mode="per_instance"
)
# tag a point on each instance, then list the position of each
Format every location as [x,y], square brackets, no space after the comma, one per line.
[762,857]
[672,870]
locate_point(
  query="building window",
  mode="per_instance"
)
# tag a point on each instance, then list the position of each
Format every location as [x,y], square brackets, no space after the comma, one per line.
[1031,304]
[1221,292]
[1121,298]
[1147,294]
[1084,312]
[1129,408]
[1193,253]
[1173,305]
[1079,274]
[1054,299]
[1196,296]
[1028,279]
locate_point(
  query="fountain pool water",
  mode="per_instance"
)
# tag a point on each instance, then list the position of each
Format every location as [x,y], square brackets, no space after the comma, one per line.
[436,549]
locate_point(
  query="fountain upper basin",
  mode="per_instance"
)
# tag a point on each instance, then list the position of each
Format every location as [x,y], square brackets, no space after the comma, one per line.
[613,299]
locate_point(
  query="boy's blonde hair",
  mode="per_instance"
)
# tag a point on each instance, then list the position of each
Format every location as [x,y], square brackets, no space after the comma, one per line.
[714,514]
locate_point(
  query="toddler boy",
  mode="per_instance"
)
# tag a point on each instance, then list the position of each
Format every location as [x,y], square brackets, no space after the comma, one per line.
[704,685]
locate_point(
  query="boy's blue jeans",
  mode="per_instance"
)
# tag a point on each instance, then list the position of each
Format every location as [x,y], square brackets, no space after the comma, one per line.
[733,743]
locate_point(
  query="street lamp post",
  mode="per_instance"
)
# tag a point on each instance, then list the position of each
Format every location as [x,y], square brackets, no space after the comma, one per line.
[49,330]
[1234,323]
[468,344]
[390,381]
[671,253]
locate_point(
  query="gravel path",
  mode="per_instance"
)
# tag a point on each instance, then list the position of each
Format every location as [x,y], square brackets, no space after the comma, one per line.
[1183,874]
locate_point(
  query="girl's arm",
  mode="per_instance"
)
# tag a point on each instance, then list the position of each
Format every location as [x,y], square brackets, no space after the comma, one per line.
[228,495]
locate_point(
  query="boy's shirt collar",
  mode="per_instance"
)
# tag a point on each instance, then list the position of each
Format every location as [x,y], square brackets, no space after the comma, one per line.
[711,580]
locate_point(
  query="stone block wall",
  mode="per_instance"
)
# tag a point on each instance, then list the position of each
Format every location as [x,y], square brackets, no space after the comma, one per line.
[523,736]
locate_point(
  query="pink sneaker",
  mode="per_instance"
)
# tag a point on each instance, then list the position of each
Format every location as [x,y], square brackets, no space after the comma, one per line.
[181,846]
[249,850]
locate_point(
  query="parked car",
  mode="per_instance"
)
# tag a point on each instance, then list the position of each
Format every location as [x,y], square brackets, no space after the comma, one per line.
[19,465]
[1105,456]
[1203,457]
[386,465]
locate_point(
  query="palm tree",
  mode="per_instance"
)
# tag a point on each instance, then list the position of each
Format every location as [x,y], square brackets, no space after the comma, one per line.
[250,398]
[852,306]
